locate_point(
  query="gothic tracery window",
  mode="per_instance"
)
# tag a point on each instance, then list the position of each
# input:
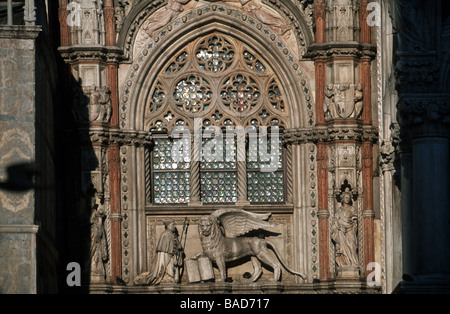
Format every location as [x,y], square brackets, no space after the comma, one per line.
[217,83]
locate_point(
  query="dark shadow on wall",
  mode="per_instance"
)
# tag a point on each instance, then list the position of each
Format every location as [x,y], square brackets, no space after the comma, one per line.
[81,203]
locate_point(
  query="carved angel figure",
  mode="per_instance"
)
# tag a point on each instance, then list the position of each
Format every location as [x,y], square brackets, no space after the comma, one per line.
[277,24]
[220,235]
[164,16]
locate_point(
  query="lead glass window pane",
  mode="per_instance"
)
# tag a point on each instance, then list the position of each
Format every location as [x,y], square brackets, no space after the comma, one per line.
[171,173]
[218,177]
[265,176]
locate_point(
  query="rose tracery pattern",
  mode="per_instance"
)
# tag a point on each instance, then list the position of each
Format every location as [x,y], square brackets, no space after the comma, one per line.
[193,94]
[215,54]
[158,97]
[275,96]
[253,62]
[240,93]
[216,73]
[177,64]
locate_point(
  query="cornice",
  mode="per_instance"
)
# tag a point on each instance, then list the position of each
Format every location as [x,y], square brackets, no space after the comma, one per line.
[20,31]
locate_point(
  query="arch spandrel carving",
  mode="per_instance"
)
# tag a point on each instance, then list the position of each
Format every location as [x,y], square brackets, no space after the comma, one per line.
[185,29]
[293,22]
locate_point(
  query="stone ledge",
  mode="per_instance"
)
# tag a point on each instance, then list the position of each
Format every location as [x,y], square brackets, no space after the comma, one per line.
[20,31]
[331,287]
[19,229]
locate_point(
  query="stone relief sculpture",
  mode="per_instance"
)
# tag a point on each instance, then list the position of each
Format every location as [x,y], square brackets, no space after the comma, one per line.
[92,104]
[344,232]
[329,108]
[99,104]
[358,100]
[220,236]
[343,100]
[169,258]
[164,16]
[277,24]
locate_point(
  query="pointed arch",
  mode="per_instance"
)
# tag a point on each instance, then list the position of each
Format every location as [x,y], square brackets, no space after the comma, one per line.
[207,20]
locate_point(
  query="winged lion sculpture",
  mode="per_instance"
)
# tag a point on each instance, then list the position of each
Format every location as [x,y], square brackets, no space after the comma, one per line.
[221,238]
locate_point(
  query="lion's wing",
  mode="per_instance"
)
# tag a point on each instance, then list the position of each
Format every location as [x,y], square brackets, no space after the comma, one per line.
[237,222]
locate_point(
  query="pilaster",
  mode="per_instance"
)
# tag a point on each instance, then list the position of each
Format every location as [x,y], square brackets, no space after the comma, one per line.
[343,55]
[89,50]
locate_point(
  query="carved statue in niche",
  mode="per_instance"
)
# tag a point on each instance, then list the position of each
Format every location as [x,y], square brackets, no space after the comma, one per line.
[169,258]
[277,24]
[220,238]
[98,241]
[164,16]
[344,232]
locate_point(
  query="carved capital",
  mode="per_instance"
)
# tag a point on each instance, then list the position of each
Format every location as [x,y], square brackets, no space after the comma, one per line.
[323,213]
[430,112]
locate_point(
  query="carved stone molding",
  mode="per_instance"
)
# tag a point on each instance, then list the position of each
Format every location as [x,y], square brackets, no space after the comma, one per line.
[299,17]
[330,134]
[330,50]
[106,54]
[285,9]
[105,136]
[136,17]
[20,31]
